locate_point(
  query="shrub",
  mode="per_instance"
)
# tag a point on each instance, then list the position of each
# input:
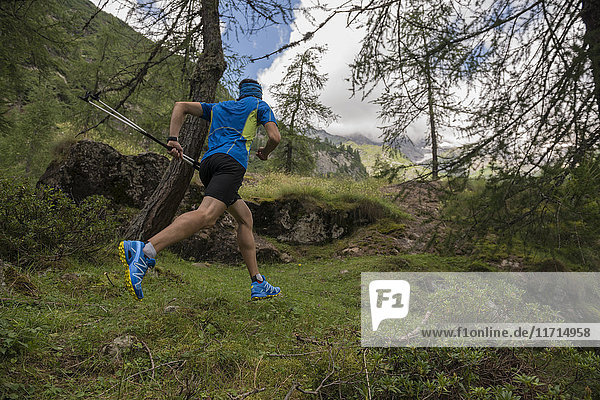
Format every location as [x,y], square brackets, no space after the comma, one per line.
[15,340]
[556,210]
[483,373]
[41,225]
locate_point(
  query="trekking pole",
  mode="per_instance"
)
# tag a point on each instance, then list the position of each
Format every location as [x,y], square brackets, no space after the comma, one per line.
[99,104]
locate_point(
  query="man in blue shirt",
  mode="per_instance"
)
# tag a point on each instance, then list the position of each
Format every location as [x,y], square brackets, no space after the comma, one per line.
[233,126]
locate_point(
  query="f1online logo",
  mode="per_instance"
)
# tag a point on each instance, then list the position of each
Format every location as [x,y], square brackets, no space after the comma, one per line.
[389,299]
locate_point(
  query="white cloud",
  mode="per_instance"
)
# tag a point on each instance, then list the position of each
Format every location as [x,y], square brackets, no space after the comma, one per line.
[356,116]
[113,7]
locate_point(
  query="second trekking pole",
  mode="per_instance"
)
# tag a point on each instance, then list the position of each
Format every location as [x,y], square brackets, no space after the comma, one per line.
[94,100]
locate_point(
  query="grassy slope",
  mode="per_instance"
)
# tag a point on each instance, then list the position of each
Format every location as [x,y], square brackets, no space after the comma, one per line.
[104,55]
[369,153]
[217,344]
[53,329]
[217,341]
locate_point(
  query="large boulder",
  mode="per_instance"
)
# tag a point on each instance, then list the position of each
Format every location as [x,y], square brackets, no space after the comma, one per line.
[92,168]
[289,220]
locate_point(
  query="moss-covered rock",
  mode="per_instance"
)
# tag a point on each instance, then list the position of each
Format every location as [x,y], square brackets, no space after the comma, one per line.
[92,168]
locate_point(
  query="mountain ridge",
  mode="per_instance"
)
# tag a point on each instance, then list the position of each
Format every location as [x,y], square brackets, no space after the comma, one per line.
[415,151]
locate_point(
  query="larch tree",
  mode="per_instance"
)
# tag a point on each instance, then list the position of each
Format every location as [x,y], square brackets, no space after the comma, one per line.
[534,78]
[397,57]
[297,100]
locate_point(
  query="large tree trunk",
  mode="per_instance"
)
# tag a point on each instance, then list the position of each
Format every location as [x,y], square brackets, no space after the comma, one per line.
[162,205]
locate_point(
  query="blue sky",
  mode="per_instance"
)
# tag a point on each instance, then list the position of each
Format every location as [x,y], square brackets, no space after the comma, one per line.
[257,45]
[357,115]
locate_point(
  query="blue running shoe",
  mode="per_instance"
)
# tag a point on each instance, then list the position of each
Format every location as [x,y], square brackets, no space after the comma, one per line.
[263,290]
[137,264]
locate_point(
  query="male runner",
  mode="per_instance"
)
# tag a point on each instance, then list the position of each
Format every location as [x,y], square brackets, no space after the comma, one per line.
[233,126]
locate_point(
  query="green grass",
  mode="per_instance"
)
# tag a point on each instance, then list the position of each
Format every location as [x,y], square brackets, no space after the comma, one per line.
[217,331]
[217,344]
[331,193]
[57,320]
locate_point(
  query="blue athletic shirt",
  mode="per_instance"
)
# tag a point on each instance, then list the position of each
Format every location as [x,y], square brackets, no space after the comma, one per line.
[233,126]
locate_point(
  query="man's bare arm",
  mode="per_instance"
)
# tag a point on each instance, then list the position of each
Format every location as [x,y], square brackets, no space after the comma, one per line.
[180,110]
[274,139]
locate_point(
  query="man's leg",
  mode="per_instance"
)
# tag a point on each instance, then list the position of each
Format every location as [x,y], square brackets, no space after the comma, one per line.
[138,257]
[245,237]
[189,223]
[259,288]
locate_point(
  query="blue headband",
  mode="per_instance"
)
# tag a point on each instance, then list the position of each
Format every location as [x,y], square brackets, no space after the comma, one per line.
[250,89]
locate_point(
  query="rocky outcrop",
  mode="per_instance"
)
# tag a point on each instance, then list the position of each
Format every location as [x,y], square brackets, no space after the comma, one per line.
[92,168]
[336,162]
[289,220]
[303,221]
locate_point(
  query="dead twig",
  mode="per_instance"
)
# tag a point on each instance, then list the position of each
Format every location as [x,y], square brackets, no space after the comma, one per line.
[296,354]
[149,354]
[309,340]
[143,372]
[281,384]
[81,362]
[417,330]
[256,369]
[247,394]
[289,393]
[367,373]
[322,384]
[153,368]
[108,277]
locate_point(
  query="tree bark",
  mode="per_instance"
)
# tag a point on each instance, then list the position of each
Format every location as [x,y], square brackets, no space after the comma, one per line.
[290,144]
[288,156]
[590,14]
[432,124]
[431,111]
[434,144]
[162,205]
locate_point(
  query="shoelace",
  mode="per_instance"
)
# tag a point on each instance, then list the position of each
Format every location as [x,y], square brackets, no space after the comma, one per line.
[268,287]
[148,262]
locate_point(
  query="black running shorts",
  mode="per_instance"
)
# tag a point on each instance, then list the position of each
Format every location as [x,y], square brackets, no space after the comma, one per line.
[222,177]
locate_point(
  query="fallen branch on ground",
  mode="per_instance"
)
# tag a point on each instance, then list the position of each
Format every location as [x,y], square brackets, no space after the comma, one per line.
[296,354]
